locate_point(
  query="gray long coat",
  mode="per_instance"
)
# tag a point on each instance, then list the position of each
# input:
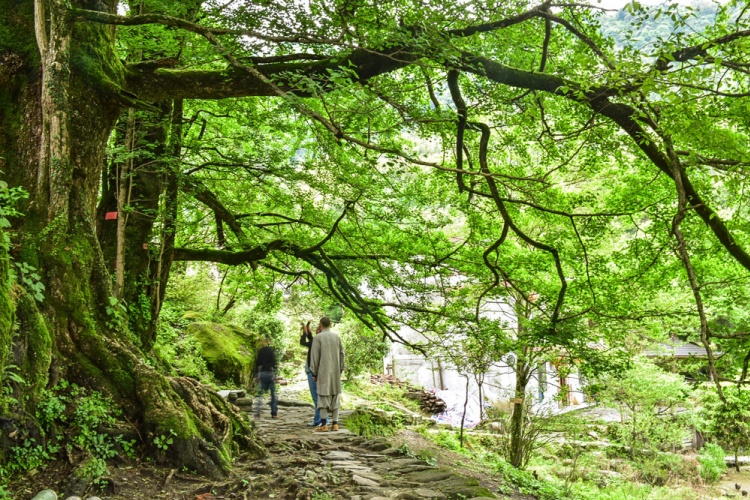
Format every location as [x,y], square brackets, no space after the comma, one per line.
[327,362]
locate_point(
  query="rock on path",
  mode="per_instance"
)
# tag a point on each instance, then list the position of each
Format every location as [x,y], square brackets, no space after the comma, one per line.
[337,465]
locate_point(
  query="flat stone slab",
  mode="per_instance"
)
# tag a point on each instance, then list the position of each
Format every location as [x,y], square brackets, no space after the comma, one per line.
[338,455]
[363,481]
[416,468]
[370,475]
[425,477]
[426,493]
[407,461]
[338,463]
[359,469]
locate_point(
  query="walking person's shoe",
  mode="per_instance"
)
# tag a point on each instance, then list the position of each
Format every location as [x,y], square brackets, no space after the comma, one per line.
[274,416]
[335,427]
[321,428]
[313,424]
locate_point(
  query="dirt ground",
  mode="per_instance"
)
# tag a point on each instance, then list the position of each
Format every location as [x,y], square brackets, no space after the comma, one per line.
[726,486]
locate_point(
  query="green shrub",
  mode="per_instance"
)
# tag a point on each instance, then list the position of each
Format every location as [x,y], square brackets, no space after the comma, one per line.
[364,348]
[526,483]
[712,462]
[665,468]
[727,422]
[631,491]
[368,424]
[447,439]
[648,397]
[180,351]
[71,417]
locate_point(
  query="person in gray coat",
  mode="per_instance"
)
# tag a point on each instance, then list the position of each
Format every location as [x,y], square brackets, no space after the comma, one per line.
[326,364]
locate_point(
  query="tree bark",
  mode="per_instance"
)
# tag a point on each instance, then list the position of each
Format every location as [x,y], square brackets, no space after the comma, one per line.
[125,242]
[516,419]
[54,139]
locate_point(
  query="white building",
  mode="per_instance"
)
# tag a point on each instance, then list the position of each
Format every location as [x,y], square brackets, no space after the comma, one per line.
[549,391]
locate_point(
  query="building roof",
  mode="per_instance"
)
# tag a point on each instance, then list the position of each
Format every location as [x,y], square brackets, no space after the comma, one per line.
[678,349]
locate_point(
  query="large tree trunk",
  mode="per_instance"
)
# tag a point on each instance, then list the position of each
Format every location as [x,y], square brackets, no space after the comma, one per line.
[60,104]
[133,189]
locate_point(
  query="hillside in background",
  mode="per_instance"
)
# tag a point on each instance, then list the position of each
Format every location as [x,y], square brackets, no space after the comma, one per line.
[644,26]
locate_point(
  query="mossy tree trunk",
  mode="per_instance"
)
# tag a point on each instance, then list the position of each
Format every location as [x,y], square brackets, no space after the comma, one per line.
[525,360]
[7,308]
[518,455]
[142,187]
[61,99]
[140,179]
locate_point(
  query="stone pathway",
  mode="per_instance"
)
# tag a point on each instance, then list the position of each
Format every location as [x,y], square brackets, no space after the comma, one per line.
[337,465]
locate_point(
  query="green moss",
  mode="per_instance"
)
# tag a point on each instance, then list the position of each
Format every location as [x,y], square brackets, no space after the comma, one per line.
[95,60]
[229,351]
[370,422]
[17,28]
[39,343]
[6,310]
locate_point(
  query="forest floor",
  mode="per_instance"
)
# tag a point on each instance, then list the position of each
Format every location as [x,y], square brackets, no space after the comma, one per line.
[301,464]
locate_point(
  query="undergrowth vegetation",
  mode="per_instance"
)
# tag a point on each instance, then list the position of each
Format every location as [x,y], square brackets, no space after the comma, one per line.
[578,457]
[557,472]
[370,423]
[182,352]
[80,423]
[364,390]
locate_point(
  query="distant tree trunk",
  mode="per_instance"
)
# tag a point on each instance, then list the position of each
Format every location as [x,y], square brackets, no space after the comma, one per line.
[54,131]
[124,183]
[440,372]
[517,448]
[736,459]
[134,188]
[481,398]
[523,369]
[463,415]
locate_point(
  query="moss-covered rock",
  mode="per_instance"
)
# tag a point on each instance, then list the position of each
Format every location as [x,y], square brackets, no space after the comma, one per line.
[452,485]
[229,351]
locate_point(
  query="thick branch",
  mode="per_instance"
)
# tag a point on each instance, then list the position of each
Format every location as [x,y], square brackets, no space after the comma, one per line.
[225,256]
[695,51]
[208,198]
[152,82]
[503,23]
[624,116]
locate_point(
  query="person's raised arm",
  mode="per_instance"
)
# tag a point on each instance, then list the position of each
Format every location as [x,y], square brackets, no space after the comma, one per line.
[306,338]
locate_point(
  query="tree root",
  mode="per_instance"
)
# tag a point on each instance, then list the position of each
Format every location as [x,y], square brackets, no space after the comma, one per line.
[205,431]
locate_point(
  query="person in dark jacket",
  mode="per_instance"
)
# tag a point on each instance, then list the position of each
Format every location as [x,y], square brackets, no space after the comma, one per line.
[265,373]
[306,340]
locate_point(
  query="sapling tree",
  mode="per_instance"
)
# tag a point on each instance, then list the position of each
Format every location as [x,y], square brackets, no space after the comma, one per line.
[654,408]
[728,422]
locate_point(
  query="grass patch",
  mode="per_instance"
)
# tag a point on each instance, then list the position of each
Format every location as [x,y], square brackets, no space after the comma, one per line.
[550,477]
[365,422]
[365,390]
